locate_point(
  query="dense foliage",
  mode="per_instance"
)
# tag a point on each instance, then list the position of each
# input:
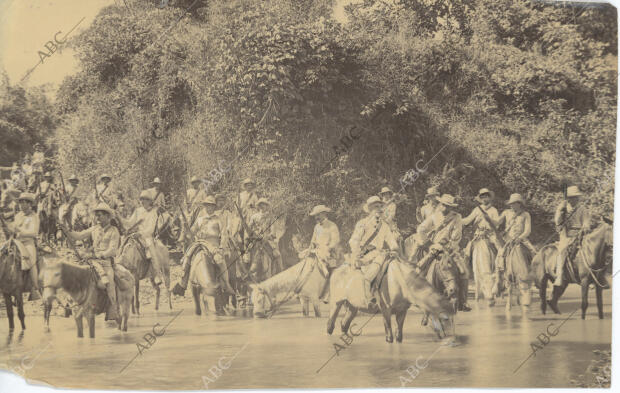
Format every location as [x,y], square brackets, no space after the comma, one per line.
[523,94]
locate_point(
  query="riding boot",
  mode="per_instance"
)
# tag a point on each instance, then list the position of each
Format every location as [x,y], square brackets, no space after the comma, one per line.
[35,293]
[179,288]
[112,313]
[324,296]
[463,289]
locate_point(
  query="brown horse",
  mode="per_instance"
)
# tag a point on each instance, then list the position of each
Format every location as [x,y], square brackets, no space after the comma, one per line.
[12,281]
[132,255]
[80,282]
[589,268]
[400,288]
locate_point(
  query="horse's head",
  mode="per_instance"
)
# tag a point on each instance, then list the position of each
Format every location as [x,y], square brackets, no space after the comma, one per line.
[51,279]
[443,324]
[261,300]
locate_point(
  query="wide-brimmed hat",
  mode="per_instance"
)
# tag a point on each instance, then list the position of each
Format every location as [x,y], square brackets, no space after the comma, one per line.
[73,177]
[156,181]
[371,201]
[248,181]
[146,194]
[386,190]
[105,176]
[484,191]
[103,207]
[573,191]
[47,174]
[263,200]
[448,200]
[26,196]
[432,191]
[220,195]
[37,169]
[194,179]
[319,209]
[515,198]
[209,200]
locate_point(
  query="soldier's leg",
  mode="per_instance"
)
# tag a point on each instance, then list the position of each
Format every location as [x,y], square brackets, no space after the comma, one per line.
[111,289]
[372,263]
[153,254]
[179,288]
[221,263]
[35,293]
[559,263]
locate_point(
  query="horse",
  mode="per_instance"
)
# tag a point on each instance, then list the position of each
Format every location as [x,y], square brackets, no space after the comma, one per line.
[518,275]
[12,281]
[483,262]
[399,288]
[262,261]
[132,256]
[304,279]
[48,212]
[589,268]
[80,282]
[204,277]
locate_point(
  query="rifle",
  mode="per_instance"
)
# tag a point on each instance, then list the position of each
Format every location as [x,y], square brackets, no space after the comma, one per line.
[62,183]
[488,219]
[244,224]
[73,246]
[186,224]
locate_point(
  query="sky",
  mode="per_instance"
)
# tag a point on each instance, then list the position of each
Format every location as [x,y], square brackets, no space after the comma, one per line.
[27,25]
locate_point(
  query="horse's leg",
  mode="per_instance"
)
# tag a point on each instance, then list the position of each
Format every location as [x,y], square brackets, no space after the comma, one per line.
[79,323]
[542,291]
[137,294]
[157,292]
[599,301]
[509,296]
[400,321]
[387,323]
[316,305]
[9,310]
[585,285]
[20,310]
[305,306]
[91,324]
[334,309]
[348,318]
[557,292]
[196,296]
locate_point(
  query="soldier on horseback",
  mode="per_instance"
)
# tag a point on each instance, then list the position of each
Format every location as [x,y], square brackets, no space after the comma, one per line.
[518,228]
[25,228]
[325,244]
[261,225]
[572,221]
[195,196]
[159,199]
[206,229]
[443,229]
[430,203]
[104,192]
[248,199]
[106,239]
[371,243]
[147,219]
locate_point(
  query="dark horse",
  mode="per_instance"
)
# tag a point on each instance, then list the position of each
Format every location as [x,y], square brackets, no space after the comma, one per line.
[80,282]
[588,267]
[12,281]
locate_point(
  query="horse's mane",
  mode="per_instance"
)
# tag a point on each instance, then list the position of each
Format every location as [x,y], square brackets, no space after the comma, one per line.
[285,279]
[75,278]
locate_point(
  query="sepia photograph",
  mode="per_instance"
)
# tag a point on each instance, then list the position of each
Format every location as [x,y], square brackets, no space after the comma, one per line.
[307,194]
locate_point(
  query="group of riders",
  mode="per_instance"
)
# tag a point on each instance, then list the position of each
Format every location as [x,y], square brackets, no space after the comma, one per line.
[31,196]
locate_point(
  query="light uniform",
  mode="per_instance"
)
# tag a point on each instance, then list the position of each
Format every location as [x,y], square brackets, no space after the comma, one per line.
[325,242]
[482,228]
[389,214]
[426,211]
[159,199]
[105,246]
[374,253]
[105,194]
[518,227]
[28,226]
[263,225]
[576,219]
[248,203]
[194,199]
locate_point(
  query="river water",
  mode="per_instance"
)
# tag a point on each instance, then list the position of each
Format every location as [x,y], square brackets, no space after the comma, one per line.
[287,350]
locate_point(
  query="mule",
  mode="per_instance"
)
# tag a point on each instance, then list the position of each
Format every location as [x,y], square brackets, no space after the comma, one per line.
[204,278]
[589,267]
[12,282]
[517,276]
[399,288]
[132,255]
[91,298]
[304,280]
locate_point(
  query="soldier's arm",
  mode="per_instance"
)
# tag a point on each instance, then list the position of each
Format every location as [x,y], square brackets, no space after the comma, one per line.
[457,233]
[334,238]
[356,238]
[472,216]
[527,226]
[558,218]
[81,235]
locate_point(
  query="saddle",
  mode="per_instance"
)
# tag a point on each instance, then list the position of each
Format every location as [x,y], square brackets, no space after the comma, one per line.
[138,239]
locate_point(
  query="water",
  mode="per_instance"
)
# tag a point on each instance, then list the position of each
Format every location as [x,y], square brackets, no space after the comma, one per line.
[287,350]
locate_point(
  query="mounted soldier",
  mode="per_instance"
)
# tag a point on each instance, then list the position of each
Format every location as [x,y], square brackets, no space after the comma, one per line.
[430,203]
[325,245]
[248,199]
[208,233]
[371,243]
[389,208]
[573,221]
[25,229]
[443,229]
[148,222]
[195,196]
[105,239]
[481,251]
[159,199]
[104,192]
[263,225]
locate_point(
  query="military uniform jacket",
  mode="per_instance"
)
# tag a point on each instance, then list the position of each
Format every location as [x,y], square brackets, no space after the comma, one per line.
[365,228]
